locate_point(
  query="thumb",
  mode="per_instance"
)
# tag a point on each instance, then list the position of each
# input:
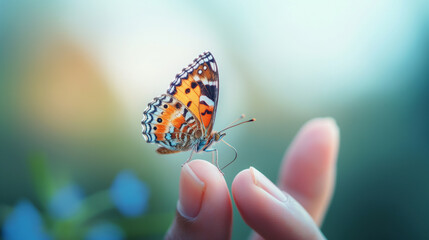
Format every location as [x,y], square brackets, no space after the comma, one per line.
[204,208]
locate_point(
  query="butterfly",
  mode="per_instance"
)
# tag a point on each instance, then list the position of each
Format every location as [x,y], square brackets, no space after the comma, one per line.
[183,118]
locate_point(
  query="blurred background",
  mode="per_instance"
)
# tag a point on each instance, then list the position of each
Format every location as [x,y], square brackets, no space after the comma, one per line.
[75,77]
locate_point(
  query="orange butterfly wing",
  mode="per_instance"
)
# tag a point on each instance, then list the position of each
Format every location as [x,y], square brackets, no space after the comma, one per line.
[197,87]
[178,120]
[169,123]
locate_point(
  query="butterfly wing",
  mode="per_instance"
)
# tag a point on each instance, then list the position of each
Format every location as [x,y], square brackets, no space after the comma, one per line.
[197,88]
[169,123]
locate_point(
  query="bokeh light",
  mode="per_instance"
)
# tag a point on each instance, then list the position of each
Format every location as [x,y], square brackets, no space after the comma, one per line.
[129,194]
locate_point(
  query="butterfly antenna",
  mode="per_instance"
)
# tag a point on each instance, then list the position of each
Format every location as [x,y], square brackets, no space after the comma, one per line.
[250,120]
[236,120]
[236,154]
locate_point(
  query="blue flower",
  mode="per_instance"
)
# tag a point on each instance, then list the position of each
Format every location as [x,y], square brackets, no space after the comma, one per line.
[66,202]
[105,231]
[24,223]
[129,194]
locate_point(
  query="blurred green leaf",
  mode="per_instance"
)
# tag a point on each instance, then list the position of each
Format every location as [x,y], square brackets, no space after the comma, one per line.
[96,204]
[146,225]
[42,178]
[4,211]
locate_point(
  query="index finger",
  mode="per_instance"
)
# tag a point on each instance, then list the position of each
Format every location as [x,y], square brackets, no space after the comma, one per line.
[309,166]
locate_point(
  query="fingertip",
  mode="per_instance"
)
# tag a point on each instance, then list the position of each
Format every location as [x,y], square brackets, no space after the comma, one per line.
[314,148]
[191,191]
[216,192]
[241,178]
[322,131]
[204,207]
[322,121]
[240,184]
[205,169]
[267,210]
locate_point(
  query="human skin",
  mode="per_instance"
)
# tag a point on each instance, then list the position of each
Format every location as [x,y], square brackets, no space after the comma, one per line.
[292,209]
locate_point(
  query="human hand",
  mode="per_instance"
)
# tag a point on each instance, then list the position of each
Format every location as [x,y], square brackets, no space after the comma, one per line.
[293,210]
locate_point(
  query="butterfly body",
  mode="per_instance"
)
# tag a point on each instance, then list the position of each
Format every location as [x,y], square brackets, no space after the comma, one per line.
[183,118]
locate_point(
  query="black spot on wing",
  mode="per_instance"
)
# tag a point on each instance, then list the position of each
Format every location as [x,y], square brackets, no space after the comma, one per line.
[208,90]
[203,103]
[185,111]
[206,112]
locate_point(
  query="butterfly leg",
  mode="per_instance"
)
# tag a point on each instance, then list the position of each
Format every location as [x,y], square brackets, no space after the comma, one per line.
[215,157]
[217,162]
[189,159]
[235,150]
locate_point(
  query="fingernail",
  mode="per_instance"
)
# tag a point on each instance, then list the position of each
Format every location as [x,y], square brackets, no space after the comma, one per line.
[190,193]
[265,184]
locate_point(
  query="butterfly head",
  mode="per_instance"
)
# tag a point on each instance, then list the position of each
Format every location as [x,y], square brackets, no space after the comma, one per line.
[218,136]
[206,143]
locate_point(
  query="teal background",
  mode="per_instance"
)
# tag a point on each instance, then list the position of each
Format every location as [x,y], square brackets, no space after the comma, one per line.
[75,77]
